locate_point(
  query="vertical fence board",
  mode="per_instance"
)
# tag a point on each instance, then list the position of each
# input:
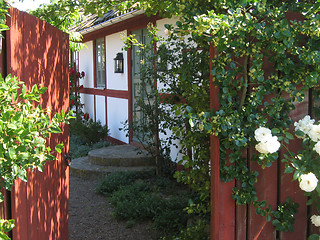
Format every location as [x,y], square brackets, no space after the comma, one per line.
[258,227]
[241,214]
[273,186]
[19,192]
[38,54]
[222,204]
[289,188]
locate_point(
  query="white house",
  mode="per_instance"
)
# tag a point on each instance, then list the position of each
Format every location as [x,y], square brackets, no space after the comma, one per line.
[108,94]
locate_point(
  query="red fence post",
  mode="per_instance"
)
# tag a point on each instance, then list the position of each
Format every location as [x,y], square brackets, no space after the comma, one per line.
[222,224]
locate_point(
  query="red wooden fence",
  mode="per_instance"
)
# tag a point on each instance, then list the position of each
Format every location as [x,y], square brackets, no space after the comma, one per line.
[37,53]
[232,222]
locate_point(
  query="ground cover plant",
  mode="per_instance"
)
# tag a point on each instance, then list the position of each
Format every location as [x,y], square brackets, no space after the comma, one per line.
[143,196]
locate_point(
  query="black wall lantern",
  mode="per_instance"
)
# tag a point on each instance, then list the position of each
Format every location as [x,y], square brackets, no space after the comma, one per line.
[118,63]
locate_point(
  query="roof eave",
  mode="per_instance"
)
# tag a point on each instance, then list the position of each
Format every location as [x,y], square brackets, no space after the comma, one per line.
[112,21]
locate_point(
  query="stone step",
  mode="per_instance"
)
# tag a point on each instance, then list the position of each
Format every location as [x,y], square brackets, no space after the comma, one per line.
[121,156]
[83,168]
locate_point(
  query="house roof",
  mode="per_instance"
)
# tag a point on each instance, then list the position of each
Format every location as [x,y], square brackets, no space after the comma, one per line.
[94,22]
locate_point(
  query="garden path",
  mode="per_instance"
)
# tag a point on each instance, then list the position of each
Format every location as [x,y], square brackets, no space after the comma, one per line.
[90,216]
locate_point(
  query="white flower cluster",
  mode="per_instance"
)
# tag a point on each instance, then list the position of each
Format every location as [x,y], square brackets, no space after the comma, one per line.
[307,126]
[308,182]
[266,142]
[304,125]
[315,220]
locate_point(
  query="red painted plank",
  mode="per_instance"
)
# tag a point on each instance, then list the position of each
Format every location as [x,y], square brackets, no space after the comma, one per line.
[38,53]
[241,222]
[222,205]
[241,214]
[258,227]
[14,49]
[291,188]
[266,186]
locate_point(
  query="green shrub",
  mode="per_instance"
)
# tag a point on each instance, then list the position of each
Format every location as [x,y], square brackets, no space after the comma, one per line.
[112,182]
[197,231]
[172,216]
[139,196]
[136,201]
[89,131]
[78,147]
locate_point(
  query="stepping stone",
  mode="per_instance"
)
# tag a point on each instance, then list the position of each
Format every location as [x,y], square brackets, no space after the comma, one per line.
[121,156]
[101,162]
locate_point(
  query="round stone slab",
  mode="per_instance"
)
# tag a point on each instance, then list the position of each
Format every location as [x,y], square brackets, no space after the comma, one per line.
[121,156]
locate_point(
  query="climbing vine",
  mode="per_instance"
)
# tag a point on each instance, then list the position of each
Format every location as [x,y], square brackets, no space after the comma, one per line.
[267,59]
[265,64]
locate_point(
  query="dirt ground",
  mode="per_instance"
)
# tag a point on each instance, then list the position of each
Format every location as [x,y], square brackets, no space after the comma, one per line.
[90,216]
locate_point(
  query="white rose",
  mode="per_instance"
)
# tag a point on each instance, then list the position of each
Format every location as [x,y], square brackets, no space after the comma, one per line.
[317,147]
[314,133]
[262,148]
[304,124]
[308,182]
[270,146]
[315,220]
[262,134]
[273,144]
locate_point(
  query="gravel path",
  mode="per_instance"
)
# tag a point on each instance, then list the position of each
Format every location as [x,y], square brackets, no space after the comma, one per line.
[90,216]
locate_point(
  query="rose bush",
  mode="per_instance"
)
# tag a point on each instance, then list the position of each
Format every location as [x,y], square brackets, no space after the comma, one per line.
[75,86]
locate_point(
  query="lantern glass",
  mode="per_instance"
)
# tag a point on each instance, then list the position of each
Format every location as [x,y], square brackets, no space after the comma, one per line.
[118,63]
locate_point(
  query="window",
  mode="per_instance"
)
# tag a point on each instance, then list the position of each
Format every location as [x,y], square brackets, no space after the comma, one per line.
[141,87]
[75,60]
[100,63]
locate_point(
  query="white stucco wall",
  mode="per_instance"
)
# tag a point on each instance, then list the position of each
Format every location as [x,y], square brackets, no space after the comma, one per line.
[101,109]
[88,101]
[117,113]
[114,43]
[86,65]
[174,154]
[117,108]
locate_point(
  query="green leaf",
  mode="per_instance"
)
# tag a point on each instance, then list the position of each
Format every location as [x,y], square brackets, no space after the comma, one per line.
[189,109]
[314,237]
[289,170]
[54,129]
[42,90]
[268,218]
[22,174]
[289,136]
[275,131]
[309,202]
[59,147]
[286,33]
[3,236]
[299,133]
[191,122]
[12,126]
